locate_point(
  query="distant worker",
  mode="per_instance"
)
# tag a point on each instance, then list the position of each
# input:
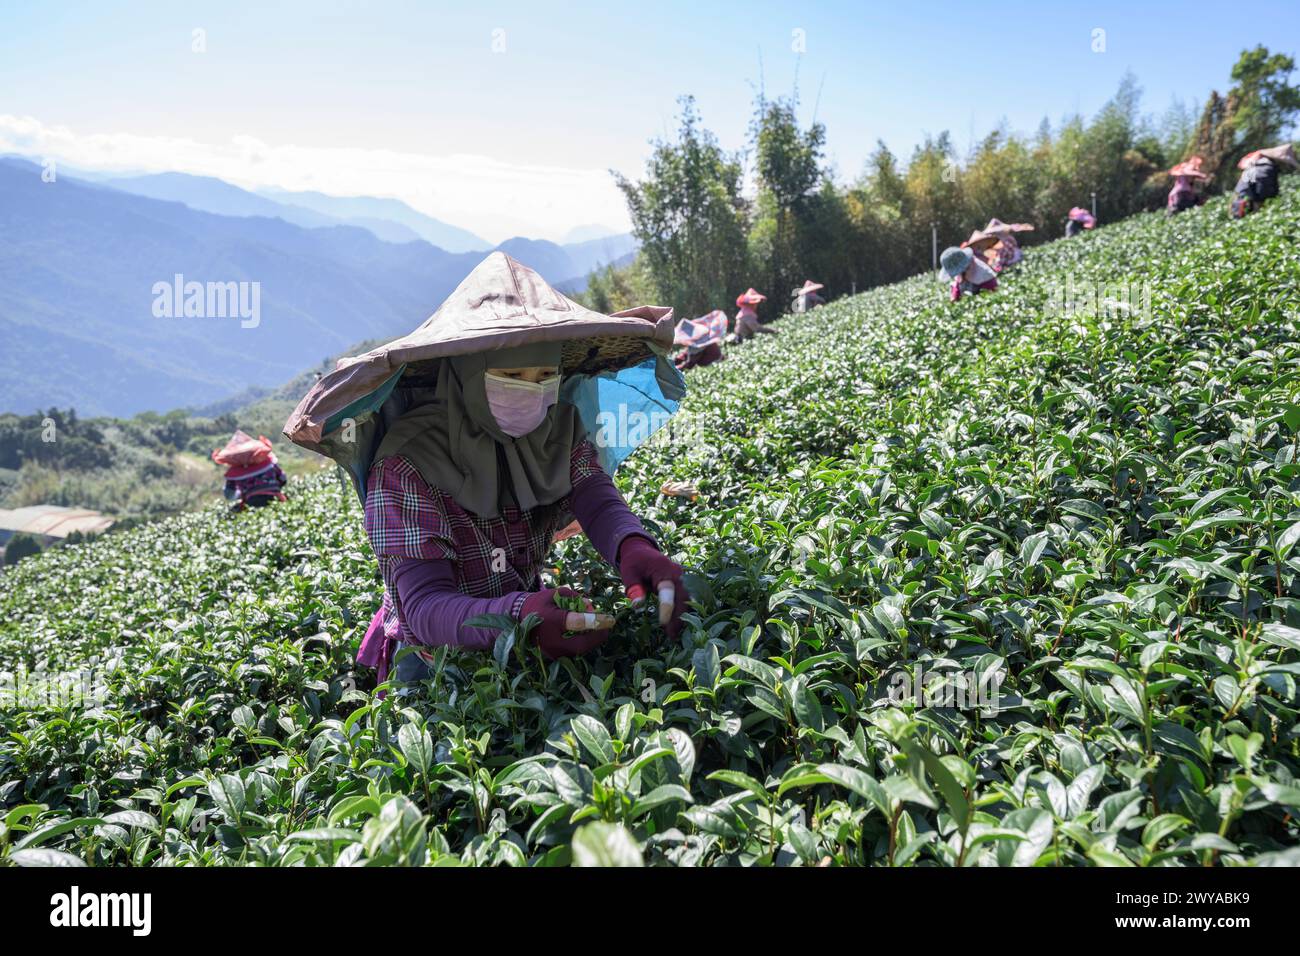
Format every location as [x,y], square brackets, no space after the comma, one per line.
[1078,220]
[747,324]
[253,475]
[996,243]
[702,340]
[806,298]
[1258,180]
[1183,195]
[969,273]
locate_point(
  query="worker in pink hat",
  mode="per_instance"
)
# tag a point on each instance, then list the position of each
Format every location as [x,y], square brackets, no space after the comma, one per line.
[1258,182]
[747,323]
[1184,195]
[253,475]
[806,298]
[1077,220]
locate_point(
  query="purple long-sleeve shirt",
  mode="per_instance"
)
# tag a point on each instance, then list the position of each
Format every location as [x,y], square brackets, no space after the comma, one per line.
[435,611]
[443,566]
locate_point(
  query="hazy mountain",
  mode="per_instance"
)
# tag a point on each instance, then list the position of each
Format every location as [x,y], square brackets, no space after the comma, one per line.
[385,229]
[570,264]
[81,266]
[208,194]
[388,219]
[587,233]
[551,260]
[595,253]
[369,208]
[578,284]
[78,269]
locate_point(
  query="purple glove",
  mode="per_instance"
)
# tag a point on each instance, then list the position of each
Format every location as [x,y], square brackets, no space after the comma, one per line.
[587,634]
[644,568]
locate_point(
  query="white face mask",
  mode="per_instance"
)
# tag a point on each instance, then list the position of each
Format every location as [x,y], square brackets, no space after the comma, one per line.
[519,406]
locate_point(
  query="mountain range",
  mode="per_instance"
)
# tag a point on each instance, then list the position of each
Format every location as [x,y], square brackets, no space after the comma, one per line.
[87,271]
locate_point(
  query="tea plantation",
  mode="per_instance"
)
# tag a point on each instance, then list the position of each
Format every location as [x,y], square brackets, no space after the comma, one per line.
[994,583]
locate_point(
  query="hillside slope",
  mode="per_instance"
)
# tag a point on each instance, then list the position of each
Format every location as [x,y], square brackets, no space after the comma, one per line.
[1098,507]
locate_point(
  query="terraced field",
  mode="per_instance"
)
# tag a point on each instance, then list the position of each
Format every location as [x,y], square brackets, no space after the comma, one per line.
[1007,582]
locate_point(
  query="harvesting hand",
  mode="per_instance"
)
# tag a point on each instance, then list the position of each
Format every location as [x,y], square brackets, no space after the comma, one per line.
[644,567]
[588,630]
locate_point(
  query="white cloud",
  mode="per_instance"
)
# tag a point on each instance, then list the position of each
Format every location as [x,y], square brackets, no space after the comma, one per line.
[492,198]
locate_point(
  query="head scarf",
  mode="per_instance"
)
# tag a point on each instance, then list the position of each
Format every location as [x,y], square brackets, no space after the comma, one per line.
[458,448]
[983,272]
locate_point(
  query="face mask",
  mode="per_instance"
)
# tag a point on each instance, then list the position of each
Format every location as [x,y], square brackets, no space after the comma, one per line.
[520,406]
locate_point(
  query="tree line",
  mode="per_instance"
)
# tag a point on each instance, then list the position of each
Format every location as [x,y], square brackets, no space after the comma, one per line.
[704,237]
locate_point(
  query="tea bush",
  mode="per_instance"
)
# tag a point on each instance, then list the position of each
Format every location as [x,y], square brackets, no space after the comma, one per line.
[1091,516]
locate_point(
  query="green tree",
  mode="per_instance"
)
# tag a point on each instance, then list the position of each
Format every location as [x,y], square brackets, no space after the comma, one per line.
[787,165]
[1001,180]
[612,289]
[933,195]
[688,215]
[1116,168]
[1267,103]
[1259,110]
[877,209]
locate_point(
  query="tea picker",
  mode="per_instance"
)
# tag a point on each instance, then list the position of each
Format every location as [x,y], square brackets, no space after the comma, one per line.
[474,439]
[1258,180]
[253,474]
[747,323]
[970,275]
[996,243]
[700,340]
[805,298]
[1183,195]
[1077,220]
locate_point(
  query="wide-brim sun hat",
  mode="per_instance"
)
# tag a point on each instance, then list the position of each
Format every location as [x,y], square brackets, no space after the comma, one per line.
[808,286]
[998,227]
[1189,167]
[996,231]
[1284,154]
[956,260]
[1081,215]
[499,305]
[243,450]
[750,297]
[698,333]
[979,241]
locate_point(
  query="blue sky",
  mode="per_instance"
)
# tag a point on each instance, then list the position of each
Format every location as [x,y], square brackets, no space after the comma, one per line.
[410,99]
